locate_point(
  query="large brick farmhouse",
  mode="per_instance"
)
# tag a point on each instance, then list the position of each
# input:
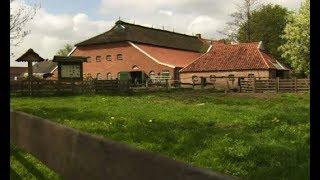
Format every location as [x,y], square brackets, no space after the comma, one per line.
[139,50]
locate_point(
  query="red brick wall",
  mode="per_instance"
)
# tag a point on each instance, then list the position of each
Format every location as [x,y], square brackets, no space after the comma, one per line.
[131,56]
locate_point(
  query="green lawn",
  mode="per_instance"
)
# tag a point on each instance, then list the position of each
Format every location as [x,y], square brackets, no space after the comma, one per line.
[262,136]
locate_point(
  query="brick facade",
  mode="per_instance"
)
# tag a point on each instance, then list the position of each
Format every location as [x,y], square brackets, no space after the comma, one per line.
[131,57]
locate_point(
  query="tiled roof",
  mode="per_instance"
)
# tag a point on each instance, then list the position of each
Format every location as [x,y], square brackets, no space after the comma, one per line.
[17,71]
[243,56]
[44,67]
[30,55]
[124,31]
[174,57]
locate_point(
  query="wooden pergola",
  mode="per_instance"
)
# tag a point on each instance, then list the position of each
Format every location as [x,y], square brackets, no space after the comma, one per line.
[30,56]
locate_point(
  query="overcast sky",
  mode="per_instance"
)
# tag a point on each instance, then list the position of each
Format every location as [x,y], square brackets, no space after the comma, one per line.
[67,21]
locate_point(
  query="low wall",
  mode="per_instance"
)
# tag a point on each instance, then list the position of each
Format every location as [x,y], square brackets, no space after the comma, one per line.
[77,155]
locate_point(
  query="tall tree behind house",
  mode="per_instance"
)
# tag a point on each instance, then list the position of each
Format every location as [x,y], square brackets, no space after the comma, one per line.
[239,19]
[267,25]
[65,50]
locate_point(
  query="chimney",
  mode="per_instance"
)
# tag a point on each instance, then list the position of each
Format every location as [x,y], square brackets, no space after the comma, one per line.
[199,36]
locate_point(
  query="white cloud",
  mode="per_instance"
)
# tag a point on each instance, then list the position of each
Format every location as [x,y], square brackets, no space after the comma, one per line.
[51,32]
[164,12]
[205,25]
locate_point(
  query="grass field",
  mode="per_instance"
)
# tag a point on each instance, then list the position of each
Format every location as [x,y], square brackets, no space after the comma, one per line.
[262,136]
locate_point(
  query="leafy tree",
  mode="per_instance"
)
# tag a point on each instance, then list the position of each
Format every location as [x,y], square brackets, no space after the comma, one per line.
[267,25]
[65,50]
[296,49]
[242,15]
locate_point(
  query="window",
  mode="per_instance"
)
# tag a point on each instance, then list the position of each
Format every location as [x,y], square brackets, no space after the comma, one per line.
[195,78]
[108,57]
[98,58]
[119,56]
[231,77]
[135,67]
[99,76]
[212,78]
[251,76]
[152,75]
[109,76]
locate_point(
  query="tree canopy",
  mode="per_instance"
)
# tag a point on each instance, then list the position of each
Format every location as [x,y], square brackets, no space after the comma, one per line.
[267,25]
[296,49]
[65,50]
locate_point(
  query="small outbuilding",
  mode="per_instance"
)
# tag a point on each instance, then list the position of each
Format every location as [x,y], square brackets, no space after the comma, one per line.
[233,61]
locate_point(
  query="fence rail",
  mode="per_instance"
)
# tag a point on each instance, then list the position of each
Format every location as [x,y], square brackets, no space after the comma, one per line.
[274,85]
[77,155]
[236,84]
[56,86]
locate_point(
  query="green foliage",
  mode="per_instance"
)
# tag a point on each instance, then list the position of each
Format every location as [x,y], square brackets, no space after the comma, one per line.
[65,50]
[250,136]
[296,49]
[267,25]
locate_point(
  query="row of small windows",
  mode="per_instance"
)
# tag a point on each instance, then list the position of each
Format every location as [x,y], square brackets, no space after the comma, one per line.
[109,57]
[152,74]
[231,77]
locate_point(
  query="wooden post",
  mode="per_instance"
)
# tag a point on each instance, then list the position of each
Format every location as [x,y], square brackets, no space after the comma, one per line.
[277,84]
[30,73]
[167,84]
[295,85]
[239,83]
[202,82]
[254,84]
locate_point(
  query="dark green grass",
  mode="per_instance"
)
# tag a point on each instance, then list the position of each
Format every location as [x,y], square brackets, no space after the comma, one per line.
[25,166]
[262,136]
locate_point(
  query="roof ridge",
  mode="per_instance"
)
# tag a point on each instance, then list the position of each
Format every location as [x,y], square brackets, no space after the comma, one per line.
[163,30]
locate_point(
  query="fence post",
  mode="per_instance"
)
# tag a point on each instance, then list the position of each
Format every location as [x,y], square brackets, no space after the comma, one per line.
[254,84]
[295,84]
[239,83]
[167,84]
[277,84]
[202,82]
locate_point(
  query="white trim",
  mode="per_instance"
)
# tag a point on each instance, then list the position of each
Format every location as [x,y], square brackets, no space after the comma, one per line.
[209,48]
[148,55]
[72,50]
[261,55]
[54,69]
[280,65]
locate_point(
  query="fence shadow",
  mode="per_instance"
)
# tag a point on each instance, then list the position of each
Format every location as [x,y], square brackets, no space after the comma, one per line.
[27,164]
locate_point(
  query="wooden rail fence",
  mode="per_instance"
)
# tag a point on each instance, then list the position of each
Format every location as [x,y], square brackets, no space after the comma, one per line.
[35,87]
[78,155]
[274,85]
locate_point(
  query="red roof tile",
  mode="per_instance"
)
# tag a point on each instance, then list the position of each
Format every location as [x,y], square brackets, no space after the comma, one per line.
[17,71]
[243,56]
[174,57]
